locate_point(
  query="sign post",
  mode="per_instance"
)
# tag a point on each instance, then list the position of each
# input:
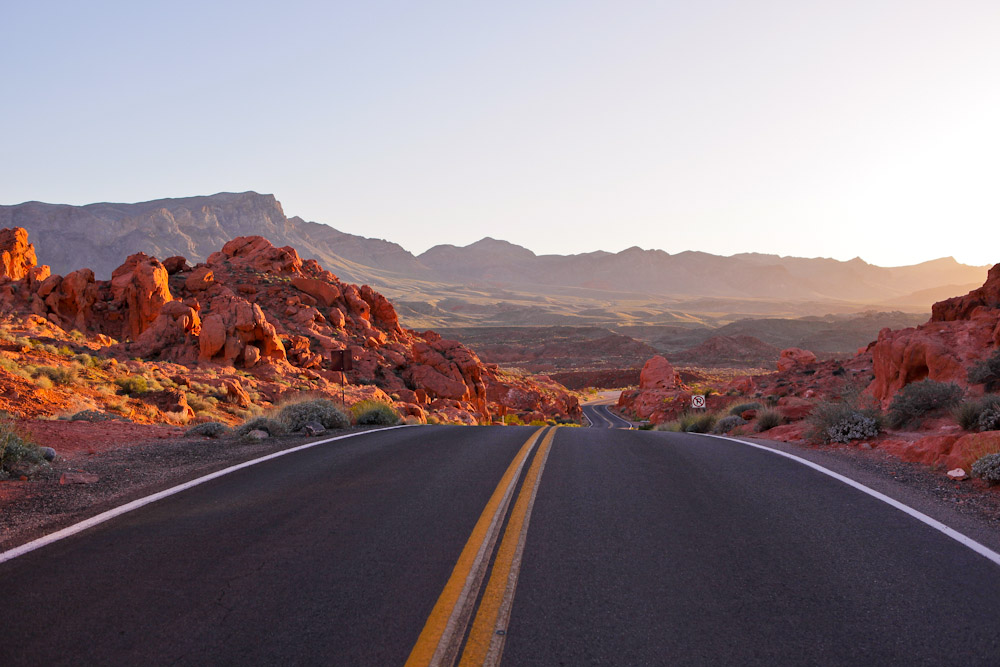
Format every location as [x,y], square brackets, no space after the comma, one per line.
[341,360]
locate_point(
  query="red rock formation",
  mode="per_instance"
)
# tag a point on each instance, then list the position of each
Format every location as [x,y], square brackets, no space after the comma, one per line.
[961,332]
[17,256]
[660,396]
[795,357]
[260,308]
[657,373]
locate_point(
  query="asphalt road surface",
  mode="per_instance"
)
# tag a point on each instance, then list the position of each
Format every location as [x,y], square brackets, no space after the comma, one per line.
[600,416]
[516,545]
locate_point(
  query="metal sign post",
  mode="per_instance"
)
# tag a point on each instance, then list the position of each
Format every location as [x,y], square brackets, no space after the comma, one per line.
[341,360]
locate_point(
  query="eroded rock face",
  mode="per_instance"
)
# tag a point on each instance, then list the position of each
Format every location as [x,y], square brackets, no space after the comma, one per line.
[657,373]
[17,256]
[793,357]
[263,309]
[961,332]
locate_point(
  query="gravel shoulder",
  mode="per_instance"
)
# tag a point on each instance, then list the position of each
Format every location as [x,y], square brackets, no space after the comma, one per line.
[41,505]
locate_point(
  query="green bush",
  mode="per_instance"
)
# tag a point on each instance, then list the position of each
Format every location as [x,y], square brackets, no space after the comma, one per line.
[989,419]
[769,418]
[969,412]
[210,429]
[374,413]
[271,426]
[697,422]
[511,420]
[58,374]
[134,385]
[727,424]
[922,399]
[322,411]
[988,468]
[843,422]
[740,408]
[16,447]
[987,372]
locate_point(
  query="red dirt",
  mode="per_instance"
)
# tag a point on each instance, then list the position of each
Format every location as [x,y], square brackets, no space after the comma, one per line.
[76,439]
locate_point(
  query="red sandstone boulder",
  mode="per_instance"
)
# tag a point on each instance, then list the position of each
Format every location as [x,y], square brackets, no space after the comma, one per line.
[258,254]
[963,307]
[139,287]
[794,357]
[17,256]
[657,373]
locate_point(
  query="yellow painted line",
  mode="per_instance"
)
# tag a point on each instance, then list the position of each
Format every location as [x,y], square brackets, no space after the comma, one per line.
[489,630]
[442,635]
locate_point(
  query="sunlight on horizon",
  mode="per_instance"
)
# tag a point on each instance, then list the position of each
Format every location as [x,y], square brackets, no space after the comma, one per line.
[855,130]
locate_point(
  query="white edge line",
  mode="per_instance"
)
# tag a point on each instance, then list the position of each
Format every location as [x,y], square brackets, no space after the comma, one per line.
[140,502]
[980,549]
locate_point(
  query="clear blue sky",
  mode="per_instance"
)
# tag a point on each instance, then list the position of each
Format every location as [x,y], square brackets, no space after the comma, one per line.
[840,129]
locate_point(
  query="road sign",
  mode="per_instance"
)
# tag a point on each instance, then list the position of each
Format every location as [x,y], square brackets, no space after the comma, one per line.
[698,401]
[341,360]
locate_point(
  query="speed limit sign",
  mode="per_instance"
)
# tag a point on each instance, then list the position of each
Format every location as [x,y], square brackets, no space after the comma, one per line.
[698,401]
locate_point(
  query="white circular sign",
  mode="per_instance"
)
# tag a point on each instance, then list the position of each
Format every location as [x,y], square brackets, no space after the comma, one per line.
[697,401]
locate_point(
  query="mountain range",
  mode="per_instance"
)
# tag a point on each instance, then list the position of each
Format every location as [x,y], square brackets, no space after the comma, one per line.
[493,281]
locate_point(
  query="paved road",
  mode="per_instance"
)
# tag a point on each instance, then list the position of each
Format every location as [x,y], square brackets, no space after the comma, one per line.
[626,548]
[600,416]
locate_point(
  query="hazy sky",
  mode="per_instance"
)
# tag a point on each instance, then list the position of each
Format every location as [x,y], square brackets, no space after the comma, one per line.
[830,128]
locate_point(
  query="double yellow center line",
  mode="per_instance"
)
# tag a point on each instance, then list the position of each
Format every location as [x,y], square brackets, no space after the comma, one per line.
[443,634]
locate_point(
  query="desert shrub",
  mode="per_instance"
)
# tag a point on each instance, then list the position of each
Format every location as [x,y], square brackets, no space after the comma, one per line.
[740,408]
[533,422]
[16,447]
[843,422]
[768,419]
[987,372]
[58,374]
[271,426]
[87,361]
[698,422]
[988,468]
[43,382]
[374,413]
[133,385]
[297,415]
[210,429]
[989,419]
[199,404]
[921,399]
[512,420]
[727,424]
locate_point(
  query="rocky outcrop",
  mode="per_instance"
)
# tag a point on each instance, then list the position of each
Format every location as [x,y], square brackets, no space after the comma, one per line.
[794,357]
[660,397]
[961,332]
[263,310]
[17,256]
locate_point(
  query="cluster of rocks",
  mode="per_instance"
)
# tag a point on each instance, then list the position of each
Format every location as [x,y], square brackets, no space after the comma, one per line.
[961,332]
[263,310]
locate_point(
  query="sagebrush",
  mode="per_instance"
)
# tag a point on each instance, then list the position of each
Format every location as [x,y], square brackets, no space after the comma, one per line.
[922,399]
[727,424]
[16,447]
[322,411]
[988,468]
[375,413]
[843,422]
[270,426]
[769,418]
[210,429]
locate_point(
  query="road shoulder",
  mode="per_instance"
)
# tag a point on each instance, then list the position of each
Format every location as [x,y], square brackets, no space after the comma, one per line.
[968,507]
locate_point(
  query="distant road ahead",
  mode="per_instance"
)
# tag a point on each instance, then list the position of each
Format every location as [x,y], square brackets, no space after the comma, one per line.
[600,416]
[609,546]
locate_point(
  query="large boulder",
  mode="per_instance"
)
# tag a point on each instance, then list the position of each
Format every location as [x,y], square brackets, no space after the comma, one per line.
[17,256]
[657,373]
[794,357]
[139,288]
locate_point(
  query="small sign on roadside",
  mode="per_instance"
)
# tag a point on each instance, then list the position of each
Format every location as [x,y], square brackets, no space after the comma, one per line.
[698,401]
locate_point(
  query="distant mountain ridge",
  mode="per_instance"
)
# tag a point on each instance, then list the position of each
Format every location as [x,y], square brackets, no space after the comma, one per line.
[102,235]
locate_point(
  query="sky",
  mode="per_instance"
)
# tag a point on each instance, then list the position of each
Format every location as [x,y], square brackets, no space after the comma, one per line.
[817,129]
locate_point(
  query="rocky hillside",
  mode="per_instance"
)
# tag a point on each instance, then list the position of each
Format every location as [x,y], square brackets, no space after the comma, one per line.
[959,345]
[258,315]
[103,235]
